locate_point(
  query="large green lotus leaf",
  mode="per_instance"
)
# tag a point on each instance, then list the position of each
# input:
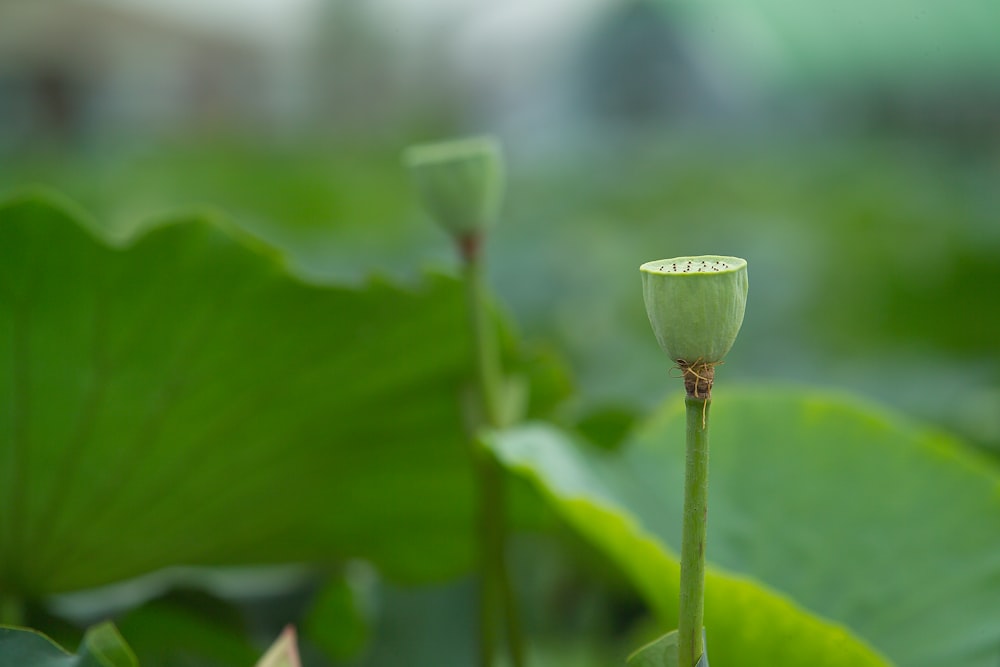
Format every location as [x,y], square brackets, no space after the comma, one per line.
[189,629]
[601,495]
[184,400]
[861,519]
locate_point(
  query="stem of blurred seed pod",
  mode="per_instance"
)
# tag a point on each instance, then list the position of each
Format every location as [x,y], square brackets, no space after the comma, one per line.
[496,591]
[460,183]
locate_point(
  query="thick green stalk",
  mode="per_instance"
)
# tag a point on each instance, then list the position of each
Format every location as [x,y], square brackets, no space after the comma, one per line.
[496,592]
[490,597]
[690,644]
[487,357]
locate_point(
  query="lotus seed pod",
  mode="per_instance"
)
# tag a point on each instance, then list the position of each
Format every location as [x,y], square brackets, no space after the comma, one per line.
[460,182]
[695,305]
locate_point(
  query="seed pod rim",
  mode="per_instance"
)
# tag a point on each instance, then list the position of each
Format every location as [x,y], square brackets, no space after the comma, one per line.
[733,264]
[436,152]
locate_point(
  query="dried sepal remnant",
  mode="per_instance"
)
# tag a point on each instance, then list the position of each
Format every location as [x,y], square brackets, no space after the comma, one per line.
[695,305]
[698,378]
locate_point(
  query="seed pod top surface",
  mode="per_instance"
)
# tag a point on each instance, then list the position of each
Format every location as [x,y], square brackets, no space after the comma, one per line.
[695,305]
[460,182]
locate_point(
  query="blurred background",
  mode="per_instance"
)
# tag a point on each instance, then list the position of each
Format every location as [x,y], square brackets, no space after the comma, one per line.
[848,150]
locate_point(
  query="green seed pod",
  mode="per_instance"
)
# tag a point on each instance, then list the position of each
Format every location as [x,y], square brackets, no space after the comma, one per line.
[695,305]
[460,182]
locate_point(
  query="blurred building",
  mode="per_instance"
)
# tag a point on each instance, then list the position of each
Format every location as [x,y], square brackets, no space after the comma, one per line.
[73,69]
[70,68]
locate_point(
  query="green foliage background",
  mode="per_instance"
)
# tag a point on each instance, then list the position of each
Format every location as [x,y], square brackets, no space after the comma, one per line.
[278,325]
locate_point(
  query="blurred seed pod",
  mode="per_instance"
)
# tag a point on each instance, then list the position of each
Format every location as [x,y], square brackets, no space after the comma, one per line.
[460,182]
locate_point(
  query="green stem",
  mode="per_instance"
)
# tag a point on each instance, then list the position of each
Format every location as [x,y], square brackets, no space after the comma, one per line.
[489,592]
[11,610]
[690,644]
[496,592]
[487,356]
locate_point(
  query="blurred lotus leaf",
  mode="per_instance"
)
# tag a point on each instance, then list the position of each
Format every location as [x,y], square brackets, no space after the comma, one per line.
[102,646]
[826,515]
[184,399]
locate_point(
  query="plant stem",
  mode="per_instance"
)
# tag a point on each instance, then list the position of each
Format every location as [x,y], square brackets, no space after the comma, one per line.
[487,356]
[496,592]
[690,644]
[489,592]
